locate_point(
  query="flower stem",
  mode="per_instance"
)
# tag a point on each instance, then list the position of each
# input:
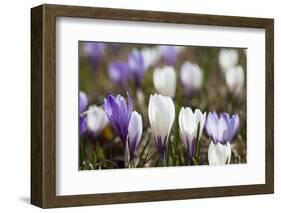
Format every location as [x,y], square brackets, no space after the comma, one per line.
[197,143]
[163,162]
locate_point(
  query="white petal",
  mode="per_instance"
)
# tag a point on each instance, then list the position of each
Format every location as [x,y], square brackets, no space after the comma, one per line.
[200,118]
[228,151]
[218,154]
[96,119]
[228,58]
[181,125]
[135,127]
[235,79]
[212,156]
[161,112]
[185,74]
[151,113]
[171,111]
[191,76]
[191,125]
[164,81]
[150,56]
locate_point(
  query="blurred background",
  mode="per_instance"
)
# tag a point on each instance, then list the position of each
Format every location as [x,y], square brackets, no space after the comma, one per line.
[207,78]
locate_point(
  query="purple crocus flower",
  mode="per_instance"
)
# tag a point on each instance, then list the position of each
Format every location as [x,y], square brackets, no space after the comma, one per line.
[222,128]
[82,124]
[94,51]
[169,54]
[136,66]
[119,114]
[83,102]
[118,72]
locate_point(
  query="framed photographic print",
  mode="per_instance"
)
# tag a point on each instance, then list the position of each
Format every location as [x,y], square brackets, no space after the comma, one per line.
[135,106]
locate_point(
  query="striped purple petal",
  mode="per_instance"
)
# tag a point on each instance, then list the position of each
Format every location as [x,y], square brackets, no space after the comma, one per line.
[83,101]
[119,114]
[222,128]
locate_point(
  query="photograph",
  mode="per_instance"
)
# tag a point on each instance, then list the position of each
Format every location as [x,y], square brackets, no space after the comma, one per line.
[159,105]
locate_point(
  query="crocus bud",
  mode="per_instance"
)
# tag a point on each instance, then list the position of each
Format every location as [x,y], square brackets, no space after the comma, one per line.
[164,80]
[235,79]
[161,113]
[134,134]
[96,119]
[228,58]
[119,114]
[191,77]
[219,154]
[189,123]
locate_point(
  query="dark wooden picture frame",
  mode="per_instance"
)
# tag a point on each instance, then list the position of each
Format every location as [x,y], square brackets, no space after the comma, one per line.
[43,105]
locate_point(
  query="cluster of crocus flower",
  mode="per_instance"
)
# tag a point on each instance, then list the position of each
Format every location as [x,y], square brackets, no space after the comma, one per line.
[138,62]
[92,118]
[120,71]
[165,80]
[127,124]
[221,128]
[234,73]
[161,112]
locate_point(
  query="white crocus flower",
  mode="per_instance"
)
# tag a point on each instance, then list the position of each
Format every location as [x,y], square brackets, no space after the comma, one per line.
[164,80]
[150,56]
[219,154]
[228,58]
[134,133]
[191,76]
[189,123]
[235,79]
[96,119]
[161,113]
